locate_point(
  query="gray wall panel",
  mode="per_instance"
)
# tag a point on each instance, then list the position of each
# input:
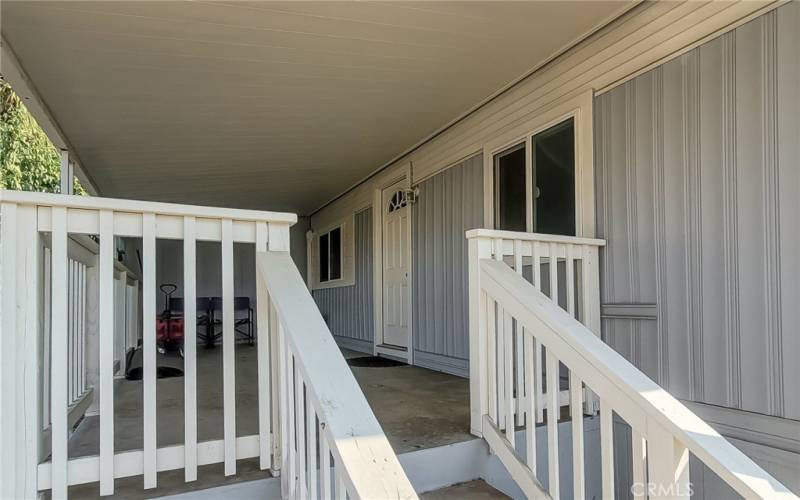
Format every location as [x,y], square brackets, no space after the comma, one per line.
[698,170]
[348,309]
[449,204]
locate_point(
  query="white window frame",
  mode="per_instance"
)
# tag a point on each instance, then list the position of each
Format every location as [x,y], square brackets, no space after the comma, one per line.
[329,281]
[579,108]
[347,225]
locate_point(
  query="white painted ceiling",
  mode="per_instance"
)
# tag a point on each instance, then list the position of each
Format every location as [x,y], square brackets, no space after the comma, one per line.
[271,105]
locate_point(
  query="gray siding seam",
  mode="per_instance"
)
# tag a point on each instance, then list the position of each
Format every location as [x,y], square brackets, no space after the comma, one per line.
[730,221]
[771,211]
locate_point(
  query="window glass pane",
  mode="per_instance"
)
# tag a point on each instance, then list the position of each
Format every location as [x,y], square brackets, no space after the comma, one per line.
[554,180]
[336,254]
[323,257]
[509,189]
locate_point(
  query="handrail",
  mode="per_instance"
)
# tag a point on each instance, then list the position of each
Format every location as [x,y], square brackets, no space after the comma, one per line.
[364,460]
[540,237]
[650,410]
[139,206]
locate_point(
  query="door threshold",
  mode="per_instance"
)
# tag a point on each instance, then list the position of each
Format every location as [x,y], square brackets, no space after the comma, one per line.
[394,352]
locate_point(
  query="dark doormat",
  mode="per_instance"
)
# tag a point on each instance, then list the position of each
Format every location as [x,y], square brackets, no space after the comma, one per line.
[373,362]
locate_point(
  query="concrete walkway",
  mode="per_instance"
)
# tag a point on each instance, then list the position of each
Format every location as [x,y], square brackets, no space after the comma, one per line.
[417,408]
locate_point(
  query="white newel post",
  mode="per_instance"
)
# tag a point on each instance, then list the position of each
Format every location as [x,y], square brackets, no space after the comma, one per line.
[478,248]
[277,241]
[20,410]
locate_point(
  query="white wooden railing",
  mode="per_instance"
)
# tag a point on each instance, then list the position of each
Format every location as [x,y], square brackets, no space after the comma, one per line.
[303,382]
[332,442]
[27,217]
[521,338]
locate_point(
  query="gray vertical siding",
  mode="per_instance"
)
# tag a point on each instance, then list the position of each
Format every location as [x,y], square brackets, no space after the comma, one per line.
[348,309]
[698,175]
[450,203]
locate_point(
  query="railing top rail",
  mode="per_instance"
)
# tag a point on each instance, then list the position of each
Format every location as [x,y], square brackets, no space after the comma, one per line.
[541,237]
[611,376]
[372,468]
[139,206]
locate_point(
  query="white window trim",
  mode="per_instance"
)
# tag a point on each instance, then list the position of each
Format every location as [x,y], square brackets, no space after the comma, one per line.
[347,243]
[579,108]
[341,254]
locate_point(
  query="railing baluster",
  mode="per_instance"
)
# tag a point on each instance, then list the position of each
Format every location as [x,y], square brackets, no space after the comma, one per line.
[509,375]
[263,355]
[538,367]
[520,385]
[576,412]
[228,350]
[501,367]
[59,388]
[638,459]
[82,337]
[570,280]
[537,264]
[607,448]
[553,268]
[552,422]
[300,429]
[325,464]
[106,362]
[190,348]
[530,419]
[71,331]
[149,464]
[311,448]
[291,424]
[491,331]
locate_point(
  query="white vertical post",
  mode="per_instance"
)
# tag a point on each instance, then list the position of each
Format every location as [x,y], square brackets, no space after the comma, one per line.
[8,351]
[106,357]
[20,429]
[149,465]
[262,345]
[311,447]
[607,449]
[228,350]
[290,468]
[530,411]
[520,382]
[66,173]
[576,412]
[190,348]
[570,280]
[58,383]
[325,464]
[300,425]
[553,272]
[28,349]
[508,339]
[667,464]
[491,338]
[277,241]
[477,249]
[552,422]
[638,458]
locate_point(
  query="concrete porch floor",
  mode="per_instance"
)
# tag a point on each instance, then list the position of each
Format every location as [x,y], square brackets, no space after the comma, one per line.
[417,408]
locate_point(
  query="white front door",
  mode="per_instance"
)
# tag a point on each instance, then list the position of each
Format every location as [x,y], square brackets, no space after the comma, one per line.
[396,265]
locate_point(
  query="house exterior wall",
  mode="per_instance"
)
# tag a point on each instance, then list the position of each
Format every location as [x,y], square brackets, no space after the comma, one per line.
[449,204]
[697,181]
[348,309]
[697,176]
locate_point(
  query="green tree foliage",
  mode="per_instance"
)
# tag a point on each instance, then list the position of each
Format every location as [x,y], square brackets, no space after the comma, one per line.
[28,160]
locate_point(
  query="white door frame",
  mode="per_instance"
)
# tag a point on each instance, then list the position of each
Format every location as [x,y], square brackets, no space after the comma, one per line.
[379,348]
